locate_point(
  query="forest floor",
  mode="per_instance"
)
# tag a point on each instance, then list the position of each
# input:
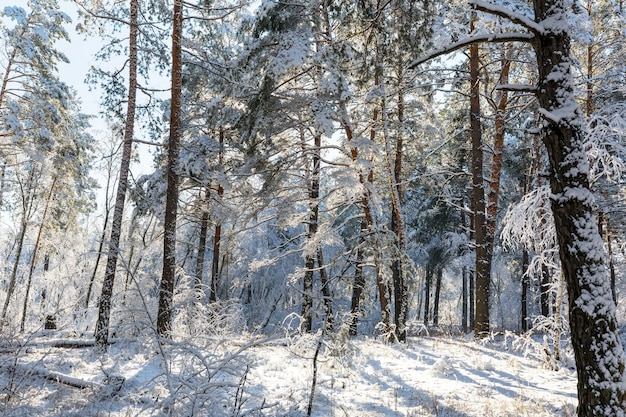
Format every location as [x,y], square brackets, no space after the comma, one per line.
[57,375]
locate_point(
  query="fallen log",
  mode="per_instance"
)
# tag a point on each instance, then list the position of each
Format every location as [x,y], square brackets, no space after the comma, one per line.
[51,376]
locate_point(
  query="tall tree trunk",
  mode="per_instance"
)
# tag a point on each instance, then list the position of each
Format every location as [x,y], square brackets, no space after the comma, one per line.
[381,284]
[427,285]
[528,178]
[437,294]
[358,284]
[367,222]
[400,289]
[483,273]
[204,230]
[326,293]
[33,259]
[168,277]
[217,233]
[419,296]
[464,317]
[611,263]
[493,193]
[600,359]
[472,303]
[313,187]
[590,101]
[3,172]
[215,262]
[525,285]
[322,26]
[104,306]
[307,294]
[545,284]
[557,320]
[466,298]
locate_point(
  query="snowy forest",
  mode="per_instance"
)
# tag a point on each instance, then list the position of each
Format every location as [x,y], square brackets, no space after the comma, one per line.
[313,208]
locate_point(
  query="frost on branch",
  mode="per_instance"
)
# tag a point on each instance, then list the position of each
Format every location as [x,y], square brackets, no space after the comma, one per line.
[530,224]
[520,17]
[606,133]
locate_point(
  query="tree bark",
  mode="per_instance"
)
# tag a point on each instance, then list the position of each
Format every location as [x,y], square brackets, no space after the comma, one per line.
[427,285]
[400,290]
[359,281]
[525,285]
[307,294]
[611,262]
[168,276]
[215,262]
[600,359]
[104,306]
[589,104]
[217,232]
[464,324]
[545,284]
[557,320]
[472,303]
[313,224]
[204,230]
[326,293]
[437,294]
[493,193]
[483,272]
[367,225]
[3,172]
[383,287]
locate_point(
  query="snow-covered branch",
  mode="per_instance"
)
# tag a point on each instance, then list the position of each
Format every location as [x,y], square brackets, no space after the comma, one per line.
[479,38]
[530,223]
[606,133]
[53,376]
[505,13]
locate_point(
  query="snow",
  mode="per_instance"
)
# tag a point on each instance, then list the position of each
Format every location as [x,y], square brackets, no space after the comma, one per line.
[518,18]
[443,376]
[16,13]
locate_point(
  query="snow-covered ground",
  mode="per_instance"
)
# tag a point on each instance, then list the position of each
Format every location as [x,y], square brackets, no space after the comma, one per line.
[429,376]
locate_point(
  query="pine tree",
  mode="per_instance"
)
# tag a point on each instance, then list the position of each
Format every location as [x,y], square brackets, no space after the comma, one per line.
[600,359]
[104,307]
[168,277]
[43,135]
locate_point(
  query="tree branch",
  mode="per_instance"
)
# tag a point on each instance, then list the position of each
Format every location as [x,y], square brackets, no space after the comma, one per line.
[505,13]
[517,87]
[51,376]
[480,38]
